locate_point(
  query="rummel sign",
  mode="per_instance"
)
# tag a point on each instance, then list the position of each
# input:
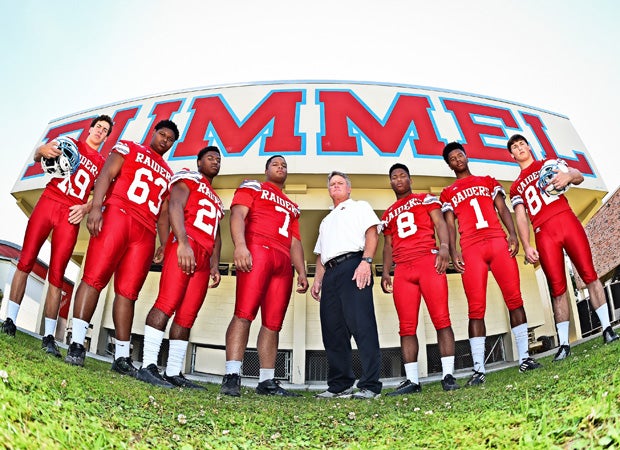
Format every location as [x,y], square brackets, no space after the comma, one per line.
[359,127]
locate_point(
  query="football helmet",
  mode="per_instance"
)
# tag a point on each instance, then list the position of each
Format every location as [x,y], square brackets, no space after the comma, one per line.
[65,164]
[549,169]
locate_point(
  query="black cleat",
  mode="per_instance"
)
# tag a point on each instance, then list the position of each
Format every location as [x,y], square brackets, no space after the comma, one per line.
[150,374]
[49,345]
[563,353]
[529,364]
[272,387]
[609,335]
[477,379]
[76,355]
[449,383]
[406,387]
[231,385]
[180,381]
[8,327]
[124,366]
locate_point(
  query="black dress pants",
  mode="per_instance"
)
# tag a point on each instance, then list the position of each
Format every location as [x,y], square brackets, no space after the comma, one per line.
[348,311]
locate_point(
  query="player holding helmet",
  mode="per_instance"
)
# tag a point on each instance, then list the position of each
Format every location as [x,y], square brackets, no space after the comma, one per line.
[133,186]
[556,229]
[59,211]
[66,163]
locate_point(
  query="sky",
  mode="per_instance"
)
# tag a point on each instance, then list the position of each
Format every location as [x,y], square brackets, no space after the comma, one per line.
[62,57]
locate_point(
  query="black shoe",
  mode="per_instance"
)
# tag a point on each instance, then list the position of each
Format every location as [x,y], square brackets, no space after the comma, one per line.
[180,381]
[449,383]
[529,364]
[8,327]
[272,387]
[231,385]
[609,335]
[406,387]
[477,379]
[563,353]
[49,345]
[150,374]
[76,355]
[124,366]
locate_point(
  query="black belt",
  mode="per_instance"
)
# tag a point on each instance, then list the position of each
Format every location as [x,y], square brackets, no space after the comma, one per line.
[342,258]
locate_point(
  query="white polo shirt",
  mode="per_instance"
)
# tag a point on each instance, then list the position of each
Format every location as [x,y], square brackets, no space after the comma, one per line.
[343,230]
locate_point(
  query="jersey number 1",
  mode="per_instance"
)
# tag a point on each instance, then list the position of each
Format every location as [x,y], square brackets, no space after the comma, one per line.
[480,222]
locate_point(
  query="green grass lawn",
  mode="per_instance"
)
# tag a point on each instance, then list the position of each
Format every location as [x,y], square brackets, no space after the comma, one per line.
[45,403]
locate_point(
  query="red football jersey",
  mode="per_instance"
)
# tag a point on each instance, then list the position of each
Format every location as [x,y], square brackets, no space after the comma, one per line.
[204,209]
[142,184]
[471,199]
[539,206]
[273,218]
[75,189]
[409,223]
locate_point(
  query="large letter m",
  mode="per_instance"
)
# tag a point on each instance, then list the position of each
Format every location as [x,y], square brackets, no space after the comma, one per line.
[274,120]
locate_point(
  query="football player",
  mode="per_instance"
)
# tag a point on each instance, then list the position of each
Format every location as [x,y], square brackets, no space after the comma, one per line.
[264,225]
[63,204]
[192,256]
[556,229]
[475,203]
[409,227]
[128,212]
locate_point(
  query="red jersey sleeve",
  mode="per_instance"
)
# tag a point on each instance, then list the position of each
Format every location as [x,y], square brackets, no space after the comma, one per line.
[273,219]
[409,223]
[203,210]
[540,206]
[472,200]
[141,186]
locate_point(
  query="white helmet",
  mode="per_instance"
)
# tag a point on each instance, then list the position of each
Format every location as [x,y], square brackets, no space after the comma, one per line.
[547,172]
[65,164]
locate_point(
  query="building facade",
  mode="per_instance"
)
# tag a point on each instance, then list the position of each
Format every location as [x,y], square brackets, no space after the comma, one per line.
[603,232]
[320,126]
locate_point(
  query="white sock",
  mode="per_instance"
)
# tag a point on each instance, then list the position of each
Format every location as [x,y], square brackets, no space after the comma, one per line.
[603,315]
[477,345]
[121,349]
[176,357]
[266,374]
[50,326]
[411,370]
[447,365]
[152,343]
[562,328]
[522,341]
[78,333]
[233,367]
[13,310]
